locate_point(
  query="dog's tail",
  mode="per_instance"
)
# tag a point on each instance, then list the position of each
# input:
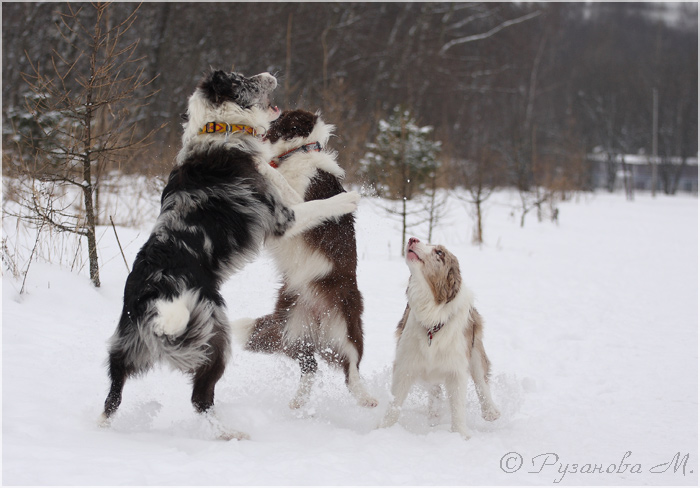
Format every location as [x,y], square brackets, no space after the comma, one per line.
[258,335]
[172,316]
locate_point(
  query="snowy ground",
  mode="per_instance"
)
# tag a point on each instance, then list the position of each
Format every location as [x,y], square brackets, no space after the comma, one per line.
[591,326]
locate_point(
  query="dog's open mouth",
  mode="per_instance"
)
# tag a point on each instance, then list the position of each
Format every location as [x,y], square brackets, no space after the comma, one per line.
[273,110]
[411,255]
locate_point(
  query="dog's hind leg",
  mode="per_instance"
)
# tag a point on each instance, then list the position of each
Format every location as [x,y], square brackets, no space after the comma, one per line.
[354,347]
[204,382]
[205,379]
[347,342]
[304,353]
[208,372]
[296,342]
[119,371]
[357,387]
[479,367]
[128,356]
[348,355]
[206,376]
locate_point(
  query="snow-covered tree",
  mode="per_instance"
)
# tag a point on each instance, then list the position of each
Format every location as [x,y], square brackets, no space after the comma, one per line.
[30,128]
[402,161]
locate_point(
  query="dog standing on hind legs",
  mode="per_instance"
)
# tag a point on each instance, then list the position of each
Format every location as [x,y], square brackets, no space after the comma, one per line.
[319,306]
[221,202]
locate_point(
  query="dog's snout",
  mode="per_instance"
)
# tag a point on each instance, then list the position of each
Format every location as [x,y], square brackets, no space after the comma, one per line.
[412,241]
[266,80]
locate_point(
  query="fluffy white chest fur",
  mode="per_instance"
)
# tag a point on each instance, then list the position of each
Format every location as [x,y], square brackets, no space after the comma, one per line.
[433,361]
[299,263]
[305,168]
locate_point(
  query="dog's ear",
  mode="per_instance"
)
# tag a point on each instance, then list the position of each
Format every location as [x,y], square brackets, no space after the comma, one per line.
[216,85]
[291,124]
[446,284]
[454,281]
[220,85]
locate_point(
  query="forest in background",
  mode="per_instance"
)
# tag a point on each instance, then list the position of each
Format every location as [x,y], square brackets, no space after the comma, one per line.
[524,89]
[426,97]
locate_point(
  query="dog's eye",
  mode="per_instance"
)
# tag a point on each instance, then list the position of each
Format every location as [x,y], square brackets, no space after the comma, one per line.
[439,253]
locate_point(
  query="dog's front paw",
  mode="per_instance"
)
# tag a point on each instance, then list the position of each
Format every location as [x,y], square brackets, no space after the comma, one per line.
[490,414]
[346,202]
[391,417]
[229,436]
[354,196]
[461,430]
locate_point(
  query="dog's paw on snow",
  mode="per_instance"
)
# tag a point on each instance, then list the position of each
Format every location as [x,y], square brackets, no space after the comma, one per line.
[367,402]
[490,414]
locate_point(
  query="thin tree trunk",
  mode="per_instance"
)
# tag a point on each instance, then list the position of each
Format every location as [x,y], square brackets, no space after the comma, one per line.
[403,228]
[432,214]
[288,63]
[324,46]
[92,240]
[404,183]
[87,161]
[479,227]
[87,194]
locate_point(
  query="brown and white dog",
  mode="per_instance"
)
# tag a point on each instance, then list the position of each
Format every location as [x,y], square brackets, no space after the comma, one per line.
[319,307]
[439,337]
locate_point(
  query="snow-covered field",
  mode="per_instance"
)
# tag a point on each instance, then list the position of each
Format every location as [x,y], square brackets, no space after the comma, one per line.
[591,327]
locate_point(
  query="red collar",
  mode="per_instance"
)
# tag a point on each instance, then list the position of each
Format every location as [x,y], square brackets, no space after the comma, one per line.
[434,330]
[313,146]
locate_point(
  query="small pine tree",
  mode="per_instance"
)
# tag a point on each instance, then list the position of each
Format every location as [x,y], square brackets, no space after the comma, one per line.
[28,132]
[402,161]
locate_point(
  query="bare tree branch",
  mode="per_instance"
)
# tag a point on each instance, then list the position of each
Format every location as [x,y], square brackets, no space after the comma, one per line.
[486,35]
